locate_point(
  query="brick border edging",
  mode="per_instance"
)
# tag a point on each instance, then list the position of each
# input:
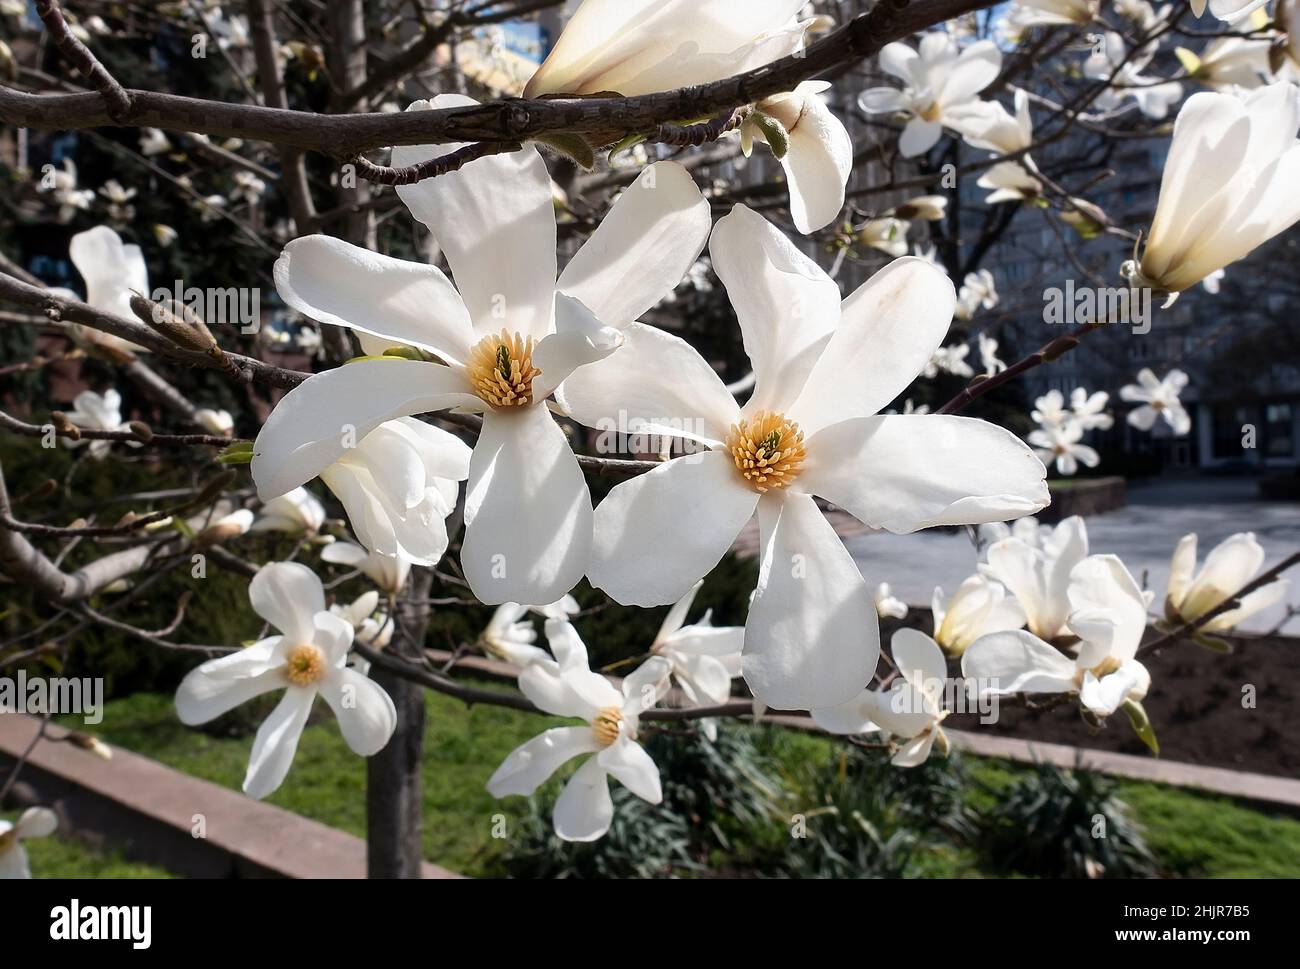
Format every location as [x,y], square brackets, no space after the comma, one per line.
[147,809]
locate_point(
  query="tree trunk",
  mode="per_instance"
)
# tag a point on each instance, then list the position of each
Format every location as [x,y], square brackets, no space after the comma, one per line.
[393,790]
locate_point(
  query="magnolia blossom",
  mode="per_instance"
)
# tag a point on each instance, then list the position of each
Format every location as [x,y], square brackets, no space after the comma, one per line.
[120,209]
[164,234]
[1027,530]
[215,421]
[97,413]
[889,235]
[248,188]
[296,512]
[637,47]
[504,340]
[398,485]
[931,208]
[1230,10]
[1123,72]
[1158,398]
[1063,443]
[988,125]
[703,658]
[307,659]
[226,526]
[941,84]
[1090,409]
[388,572]
[566,687]
[949,360]
[989,355]
[153,142]
[1228,62]
[35,822]
[112,272]
[1229,185]
[978,291]
[1049,410]
[822,370]
[1108,612]
[62,186]
[370,626]
[508,638]
[817,152]
[1231,566]
[912,707]
[887,604]
[979,606]
[1042,13]
[1038,572]
[1010,182]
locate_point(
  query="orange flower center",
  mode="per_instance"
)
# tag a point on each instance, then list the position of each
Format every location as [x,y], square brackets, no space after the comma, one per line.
[304,665]
[607,725]
[768,450]
[501,371]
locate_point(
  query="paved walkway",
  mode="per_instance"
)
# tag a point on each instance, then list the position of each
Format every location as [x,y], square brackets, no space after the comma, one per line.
[1143,535]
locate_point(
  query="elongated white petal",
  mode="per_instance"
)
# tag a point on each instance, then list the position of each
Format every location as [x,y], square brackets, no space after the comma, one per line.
[277,742]
[527,510]
[1107,610]
[688,511]
[627,761]
[579,340]
[642,248]
[786,304]
[888,331]
[584,810]
[1251,603]
[812,638]
[907,472]
[319,420]
[530,765]
[364,710]
[201,698]
[817,166]
[853,717]
[333,281]
[495,221]
[288,595]
[676,617]
[920,660]
[1016,661]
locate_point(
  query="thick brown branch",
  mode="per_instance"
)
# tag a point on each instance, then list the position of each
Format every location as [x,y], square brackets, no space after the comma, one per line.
[117,102]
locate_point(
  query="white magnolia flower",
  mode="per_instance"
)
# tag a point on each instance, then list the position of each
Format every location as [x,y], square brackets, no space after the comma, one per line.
[1113,63]
[1229,185]
[912,707]
[398,485]
[818,152]
[112,271]
[1037,572]
[1108,612]
[295,512]
[248,188]
[1229,10]
[210,207]
[215,421]
[227,526]
[703,658]
[988,125]
[941,84]
[62,186]
[978,291]
[1090,409]
[889,235]
[308,658]
[153,141]
[1049,410]
[989,355]
[949,360]
[370,625]
[35,822]
[566,687]
[388,572]
[822,370]
[1042,13]
[1158,398]
[979,606]
[120,209]
[644,46]
[165,235]
[887,604]
[1228,62]
[510,639]
[1010,182]
[506,336]
[1232,565]
[1063,443]
[931,208]
[1025,529]
[95,412]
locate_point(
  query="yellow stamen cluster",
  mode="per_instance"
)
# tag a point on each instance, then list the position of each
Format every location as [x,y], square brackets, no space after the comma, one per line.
[500,368]
[304,665]
[607,725]
[768,450]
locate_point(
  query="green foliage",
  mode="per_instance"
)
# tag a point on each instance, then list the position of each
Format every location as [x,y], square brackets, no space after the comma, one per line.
[63,857]
[1057,823]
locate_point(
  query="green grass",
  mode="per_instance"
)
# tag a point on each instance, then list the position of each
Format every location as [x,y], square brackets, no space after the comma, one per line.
[65,857]
[1191,833]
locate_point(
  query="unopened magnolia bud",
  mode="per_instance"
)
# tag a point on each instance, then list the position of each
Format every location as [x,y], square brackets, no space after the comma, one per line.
[774,133]
[64,426]
[141,430]
[84,741]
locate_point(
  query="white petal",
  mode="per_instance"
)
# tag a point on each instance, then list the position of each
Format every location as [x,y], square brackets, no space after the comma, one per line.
[530,765]
[527,510]
[817,167]
[632,766]
[201,698]
[579,340]
[495,220]
[644,246]
[907,472]
[333,281]
[918,137]
[288,595]
[688,511]
[584,810]
[920,660]
[276,743]
[363,708]
[888,331]
[36,822]
[320,419]
[812,638]
[853,717]
[1016,661]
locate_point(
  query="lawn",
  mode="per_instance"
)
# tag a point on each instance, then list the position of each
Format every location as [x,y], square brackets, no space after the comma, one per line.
[1191,833]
